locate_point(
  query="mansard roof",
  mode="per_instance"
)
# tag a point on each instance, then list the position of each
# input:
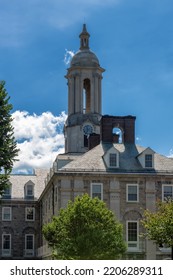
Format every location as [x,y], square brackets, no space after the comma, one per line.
[19,181]
[93,161]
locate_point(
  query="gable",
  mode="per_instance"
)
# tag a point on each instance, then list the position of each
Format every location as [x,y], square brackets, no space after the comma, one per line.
[111,158]
[146,158]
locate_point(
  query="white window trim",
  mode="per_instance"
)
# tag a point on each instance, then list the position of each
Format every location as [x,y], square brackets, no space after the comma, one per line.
[6,252]
[91,189]
[30,220]
[166,185]
[29,252]
[127,192]
[132,249]
[3,209]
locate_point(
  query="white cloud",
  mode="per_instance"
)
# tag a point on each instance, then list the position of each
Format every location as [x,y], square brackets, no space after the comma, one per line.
[40,139]
[171,153]
[68,56]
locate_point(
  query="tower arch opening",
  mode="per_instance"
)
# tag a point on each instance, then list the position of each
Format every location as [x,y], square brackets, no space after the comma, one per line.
[86,96]
[117,135]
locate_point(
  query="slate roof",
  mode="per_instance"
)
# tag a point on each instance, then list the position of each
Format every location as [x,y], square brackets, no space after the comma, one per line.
[93,161]
[19,181]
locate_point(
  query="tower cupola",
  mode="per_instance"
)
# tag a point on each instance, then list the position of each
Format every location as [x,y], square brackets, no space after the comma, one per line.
[84,56]
[84,96]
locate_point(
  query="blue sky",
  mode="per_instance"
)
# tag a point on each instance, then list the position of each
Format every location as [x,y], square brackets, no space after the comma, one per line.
[133,40]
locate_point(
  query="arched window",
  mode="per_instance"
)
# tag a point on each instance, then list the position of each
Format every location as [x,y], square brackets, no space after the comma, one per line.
[86,96]
[117,135]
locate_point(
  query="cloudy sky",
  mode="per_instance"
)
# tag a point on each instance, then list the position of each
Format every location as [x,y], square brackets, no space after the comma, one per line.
[133,40]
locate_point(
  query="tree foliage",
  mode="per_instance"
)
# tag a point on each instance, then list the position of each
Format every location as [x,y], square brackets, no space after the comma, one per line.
[85,229]
[159,225]
[8,146]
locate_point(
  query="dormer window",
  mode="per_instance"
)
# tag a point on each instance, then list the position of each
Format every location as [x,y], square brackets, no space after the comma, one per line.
[113,160]
[29,190]
[7,193]
[148,160]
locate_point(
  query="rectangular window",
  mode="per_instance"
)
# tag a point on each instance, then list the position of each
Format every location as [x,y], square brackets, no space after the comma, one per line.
[132,193]
[6,213]
[148,160]
[132,235]
[29,245]
[113,160]
[6,244]
[167,192]
[29,213]
[97,190]
[29,191]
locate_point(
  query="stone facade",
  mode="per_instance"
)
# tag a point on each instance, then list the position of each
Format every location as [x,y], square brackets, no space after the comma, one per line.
[78,177]
[20,217]
[101,159]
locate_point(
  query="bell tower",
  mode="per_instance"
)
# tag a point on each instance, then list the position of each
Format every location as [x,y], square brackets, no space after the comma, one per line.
[84,97]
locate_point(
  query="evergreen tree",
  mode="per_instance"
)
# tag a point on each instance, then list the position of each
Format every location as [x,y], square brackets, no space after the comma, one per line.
[8,145]
[85,229]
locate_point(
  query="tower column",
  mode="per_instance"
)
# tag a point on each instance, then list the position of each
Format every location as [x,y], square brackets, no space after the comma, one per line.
[96,108]
[99,94]
[92,106]
[77,94]
[71,97]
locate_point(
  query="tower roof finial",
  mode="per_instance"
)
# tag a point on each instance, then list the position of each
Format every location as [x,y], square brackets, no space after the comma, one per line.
[84,38]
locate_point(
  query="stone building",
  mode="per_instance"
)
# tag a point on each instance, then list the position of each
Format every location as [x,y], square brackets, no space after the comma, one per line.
[102,159]
[20,216]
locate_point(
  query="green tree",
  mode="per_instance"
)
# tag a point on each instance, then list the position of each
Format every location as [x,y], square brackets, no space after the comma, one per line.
[85,229]
[8,146]
[159,225]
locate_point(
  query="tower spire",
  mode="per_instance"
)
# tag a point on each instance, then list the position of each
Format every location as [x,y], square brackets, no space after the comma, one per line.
[84,38]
